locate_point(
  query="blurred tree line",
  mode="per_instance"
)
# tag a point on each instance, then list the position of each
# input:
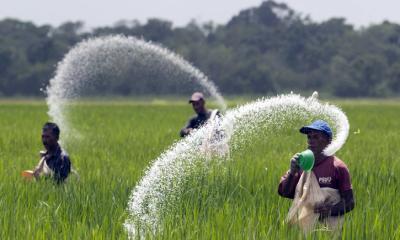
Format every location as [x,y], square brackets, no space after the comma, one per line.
[264,50]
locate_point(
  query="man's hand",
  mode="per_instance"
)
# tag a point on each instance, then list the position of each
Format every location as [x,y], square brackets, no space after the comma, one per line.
[294,166]
[36,173]
[187,131]
[323,209]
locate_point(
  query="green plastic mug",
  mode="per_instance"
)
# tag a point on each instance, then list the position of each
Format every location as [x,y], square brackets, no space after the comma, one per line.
[306,160]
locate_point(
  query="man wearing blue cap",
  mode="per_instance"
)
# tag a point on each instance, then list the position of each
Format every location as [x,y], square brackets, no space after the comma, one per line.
[330,172]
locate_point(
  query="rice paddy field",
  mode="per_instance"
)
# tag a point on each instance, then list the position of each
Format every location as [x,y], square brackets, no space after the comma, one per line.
[236,199]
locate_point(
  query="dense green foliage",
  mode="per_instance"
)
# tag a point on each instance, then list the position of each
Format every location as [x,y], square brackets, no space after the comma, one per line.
[264,50]
[237,200]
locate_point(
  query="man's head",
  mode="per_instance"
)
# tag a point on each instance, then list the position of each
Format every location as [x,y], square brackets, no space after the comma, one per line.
[198,102]
[50,135]
[319,135]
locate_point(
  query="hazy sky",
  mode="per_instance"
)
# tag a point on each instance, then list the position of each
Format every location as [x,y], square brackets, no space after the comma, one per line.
[101,12]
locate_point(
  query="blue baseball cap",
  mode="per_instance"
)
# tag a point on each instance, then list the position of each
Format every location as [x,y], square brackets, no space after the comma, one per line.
[318,125]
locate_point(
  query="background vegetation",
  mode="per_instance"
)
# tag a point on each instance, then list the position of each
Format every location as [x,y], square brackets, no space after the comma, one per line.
[263,50]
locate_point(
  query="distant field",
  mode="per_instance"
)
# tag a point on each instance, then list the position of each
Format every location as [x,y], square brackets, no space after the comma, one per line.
[118,141]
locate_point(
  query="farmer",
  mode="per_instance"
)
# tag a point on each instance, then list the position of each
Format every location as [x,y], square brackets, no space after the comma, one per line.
[54,161]
[330,172]
[198,103]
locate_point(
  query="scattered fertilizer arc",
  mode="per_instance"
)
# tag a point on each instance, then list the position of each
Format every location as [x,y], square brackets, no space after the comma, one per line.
[163,180]
[90,60]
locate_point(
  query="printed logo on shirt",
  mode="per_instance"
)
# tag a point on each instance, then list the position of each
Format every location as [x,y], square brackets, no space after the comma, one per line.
[325,180]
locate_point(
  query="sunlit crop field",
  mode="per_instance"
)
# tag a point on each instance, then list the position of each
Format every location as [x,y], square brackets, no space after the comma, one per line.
[236,199]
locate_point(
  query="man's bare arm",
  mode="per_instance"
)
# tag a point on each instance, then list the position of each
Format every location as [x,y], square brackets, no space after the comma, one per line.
[39,168]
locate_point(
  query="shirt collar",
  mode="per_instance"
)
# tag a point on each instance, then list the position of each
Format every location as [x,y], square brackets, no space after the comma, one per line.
[203,114]
[325,159]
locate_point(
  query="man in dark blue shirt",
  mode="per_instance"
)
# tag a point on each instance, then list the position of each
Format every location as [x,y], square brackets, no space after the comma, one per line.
[198,103]
[54,161]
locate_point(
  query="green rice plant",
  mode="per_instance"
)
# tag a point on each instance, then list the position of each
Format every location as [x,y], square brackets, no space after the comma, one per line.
[235,199]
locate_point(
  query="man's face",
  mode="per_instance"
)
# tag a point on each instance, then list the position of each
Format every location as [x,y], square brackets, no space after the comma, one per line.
[198,106]
[49,140]
[317,141]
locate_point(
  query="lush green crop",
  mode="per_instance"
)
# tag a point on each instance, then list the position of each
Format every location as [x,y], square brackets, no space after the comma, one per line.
[237,199]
